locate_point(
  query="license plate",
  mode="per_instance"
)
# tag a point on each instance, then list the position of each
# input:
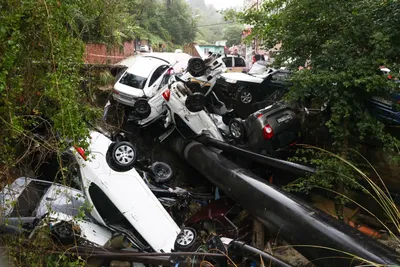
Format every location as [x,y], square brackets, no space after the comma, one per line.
[284,118]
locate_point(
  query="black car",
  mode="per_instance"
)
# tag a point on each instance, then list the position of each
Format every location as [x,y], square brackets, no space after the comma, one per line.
[247,93]
[267,131]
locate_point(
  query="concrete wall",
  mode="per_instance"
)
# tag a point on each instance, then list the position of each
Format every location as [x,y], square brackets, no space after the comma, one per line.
[100,54]
[204,49]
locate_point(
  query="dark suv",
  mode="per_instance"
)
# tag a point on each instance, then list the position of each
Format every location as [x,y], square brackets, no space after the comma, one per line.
[247,93]
[267,131]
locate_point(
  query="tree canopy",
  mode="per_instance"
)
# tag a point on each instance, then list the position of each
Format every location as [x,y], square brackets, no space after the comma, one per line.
[345,43]
[211,22]
[342,44]
[233,34]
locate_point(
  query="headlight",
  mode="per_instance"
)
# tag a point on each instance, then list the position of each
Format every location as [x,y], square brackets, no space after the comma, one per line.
[230,81]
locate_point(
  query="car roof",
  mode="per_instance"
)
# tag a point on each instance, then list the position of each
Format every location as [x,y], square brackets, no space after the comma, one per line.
[143,66]
[234,56]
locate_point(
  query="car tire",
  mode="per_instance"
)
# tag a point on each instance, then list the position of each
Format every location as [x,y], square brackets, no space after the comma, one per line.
[119,137]
[196,67]
[237,129]
[63,233]
[123,156]
[195,102]
[245,97]
[185,239]
[142,108]
[226,118]
[162,172]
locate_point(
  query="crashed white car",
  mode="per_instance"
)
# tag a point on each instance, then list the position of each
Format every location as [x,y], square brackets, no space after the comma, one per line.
[28,204]
[146,74]
[121,199]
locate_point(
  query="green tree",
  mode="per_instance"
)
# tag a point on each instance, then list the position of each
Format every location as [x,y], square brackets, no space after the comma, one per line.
[233,35]
[165,21]
[211,21]
[344,42]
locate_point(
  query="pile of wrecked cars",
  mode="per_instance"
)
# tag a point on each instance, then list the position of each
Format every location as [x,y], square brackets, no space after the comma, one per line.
[124,201]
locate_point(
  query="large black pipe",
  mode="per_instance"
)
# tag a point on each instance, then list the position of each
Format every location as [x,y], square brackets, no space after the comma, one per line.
[318,236]
[268,161]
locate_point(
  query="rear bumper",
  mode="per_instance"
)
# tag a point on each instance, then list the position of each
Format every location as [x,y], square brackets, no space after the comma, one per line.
[123,100]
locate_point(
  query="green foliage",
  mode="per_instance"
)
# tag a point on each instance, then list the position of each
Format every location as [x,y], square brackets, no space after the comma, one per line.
[210,20]
[40,79]
[344,42]
[233,34]
[330,170]
[165,21]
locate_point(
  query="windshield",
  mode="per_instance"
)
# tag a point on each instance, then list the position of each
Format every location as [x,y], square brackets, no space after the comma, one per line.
[133,80]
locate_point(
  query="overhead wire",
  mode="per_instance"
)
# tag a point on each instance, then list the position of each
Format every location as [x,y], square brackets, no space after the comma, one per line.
[215,24]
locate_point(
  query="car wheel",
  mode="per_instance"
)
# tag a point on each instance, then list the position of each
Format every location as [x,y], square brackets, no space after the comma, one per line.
[237,129]
[123,156]
[63,233]
[119,137]
[245,97]
[162,172]
[226,118]
[195,102]
[196,67]
[186,239]
[142,108]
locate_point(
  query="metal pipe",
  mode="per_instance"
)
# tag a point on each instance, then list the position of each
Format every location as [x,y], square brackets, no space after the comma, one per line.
[318,236]
[271,260]
[284,165]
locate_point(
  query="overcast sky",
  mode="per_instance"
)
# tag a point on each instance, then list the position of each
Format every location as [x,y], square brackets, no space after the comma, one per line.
[220,4]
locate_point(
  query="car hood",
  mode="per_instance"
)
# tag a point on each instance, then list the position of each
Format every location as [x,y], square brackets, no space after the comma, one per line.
[61,199]
[237,76]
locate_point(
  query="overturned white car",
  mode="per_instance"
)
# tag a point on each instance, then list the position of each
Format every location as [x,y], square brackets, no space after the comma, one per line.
[121,199]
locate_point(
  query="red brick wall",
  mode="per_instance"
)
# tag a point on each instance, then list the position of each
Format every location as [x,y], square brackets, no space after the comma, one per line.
[99,54]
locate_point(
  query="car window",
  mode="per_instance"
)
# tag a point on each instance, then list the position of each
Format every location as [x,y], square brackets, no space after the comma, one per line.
[109,212]
[29,199]
[227,61]
[104,206]
[280,76]
[133,80]
[239,62]
[157,74]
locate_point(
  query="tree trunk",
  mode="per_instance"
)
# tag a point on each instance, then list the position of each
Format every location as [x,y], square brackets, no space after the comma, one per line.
[340,186]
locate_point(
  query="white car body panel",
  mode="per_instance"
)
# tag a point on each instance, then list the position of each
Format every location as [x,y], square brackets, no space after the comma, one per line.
[58,203]
[92,232]
[157,108]
[199,122]
[130,194]
[238,76]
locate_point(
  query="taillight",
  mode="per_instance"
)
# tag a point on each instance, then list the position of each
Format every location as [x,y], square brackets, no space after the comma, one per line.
[259,115]
[170,71]
[166,94]
[115,92]
[268,132]
[80,151]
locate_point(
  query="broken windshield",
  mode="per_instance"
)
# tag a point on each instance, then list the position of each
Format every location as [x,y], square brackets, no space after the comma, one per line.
[133,80]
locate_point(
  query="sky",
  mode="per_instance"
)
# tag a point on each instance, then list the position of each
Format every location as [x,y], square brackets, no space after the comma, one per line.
[220,4]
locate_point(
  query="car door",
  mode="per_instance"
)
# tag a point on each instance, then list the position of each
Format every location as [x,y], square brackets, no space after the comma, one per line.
[155,80]
[274,86]
[239,65]
[228,63]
